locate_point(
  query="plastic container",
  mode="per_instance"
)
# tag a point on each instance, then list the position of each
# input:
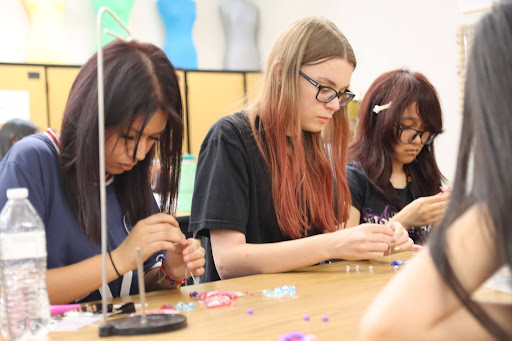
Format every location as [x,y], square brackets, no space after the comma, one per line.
[24,304]
[186,187]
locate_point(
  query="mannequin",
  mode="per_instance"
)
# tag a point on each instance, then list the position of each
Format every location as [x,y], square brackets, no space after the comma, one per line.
[46,42]
[178,17]
[240,20]
[121,8]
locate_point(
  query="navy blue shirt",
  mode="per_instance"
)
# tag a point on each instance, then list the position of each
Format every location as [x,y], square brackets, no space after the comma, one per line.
[33,163]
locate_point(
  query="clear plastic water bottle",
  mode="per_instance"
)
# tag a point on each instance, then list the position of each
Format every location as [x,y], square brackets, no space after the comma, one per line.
[187,177]
[24,306]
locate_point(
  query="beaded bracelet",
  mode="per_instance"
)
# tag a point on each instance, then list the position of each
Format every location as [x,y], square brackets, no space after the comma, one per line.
[166,276]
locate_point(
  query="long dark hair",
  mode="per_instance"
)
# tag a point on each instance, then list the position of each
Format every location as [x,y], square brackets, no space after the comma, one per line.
[377,134]
[12,131]
[139,80]
[485,147]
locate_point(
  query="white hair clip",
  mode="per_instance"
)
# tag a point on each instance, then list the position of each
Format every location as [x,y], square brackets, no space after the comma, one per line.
[378,108]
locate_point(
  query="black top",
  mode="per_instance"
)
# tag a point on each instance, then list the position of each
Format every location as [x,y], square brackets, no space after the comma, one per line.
[233,189]
[373,208]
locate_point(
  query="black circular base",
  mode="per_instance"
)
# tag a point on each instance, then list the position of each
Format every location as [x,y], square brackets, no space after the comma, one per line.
[156,323]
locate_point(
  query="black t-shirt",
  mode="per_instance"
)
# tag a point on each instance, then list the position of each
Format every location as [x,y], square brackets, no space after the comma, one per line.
[373,208]
[233,188]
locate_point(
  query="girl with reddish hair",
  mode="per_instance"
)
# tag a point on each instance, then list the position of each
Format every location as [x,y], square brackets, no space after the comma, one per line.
[393,174]
[265,179]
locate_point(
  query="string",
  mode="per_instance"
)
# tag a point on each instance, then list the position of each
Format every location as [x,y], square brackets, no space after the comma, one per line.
[389,253]
[187,270]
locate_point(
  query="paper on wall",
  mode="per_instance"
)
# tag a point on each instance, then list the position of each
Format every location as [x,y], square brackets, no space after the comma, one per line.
[14,104]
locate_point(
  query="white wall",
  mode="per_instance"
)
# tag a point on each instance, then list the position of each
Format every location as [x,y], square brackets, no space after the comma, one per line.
[385,35]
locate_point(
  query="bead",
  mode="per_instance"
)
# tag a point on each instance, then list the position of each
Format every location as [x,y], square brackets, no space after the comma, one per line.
[325,318]
[306,318]
[250,311]
[191,295]
[296,336]
[194,294]
[348,268]
[232,295]
[217,301]
[284,291]
[185,307]
[370,268]
[395,267]
[357,268]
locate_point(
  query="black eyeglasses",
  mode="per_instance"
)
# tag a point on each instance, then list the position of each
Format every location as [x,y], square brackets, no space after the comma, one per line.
[407,135]
[326,94]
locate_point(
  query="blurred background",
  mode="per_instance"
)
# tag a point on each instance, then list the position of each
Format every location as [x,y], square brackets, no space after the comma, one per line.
[431,37]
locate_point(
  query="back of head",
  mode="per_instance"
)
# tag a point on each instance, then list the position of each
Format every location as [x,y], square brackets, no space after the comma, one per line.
[402,88]
[138,80]
[12,131]
[309,40]
[485,157]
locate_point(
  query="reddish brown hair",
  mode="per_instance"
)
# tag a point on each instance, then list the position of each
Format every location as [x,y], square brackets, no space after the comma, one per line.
[376,135]
[309,187]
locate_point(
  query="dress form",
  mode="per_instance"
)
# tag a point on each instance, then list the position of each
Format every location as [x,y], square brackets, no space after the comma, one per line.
[122,9]
[178,17]
[46,42]
[240,20]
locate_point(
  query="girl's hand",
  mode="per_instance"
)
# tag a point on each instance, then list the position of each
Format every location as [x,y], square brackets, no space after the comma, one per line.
[157,232]
[402,242]
[185,260]
[424,210]
[366,241]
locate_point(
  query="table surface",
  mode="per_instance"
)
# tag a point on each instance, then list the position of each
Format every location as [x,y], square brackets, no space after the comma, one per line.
[323,290]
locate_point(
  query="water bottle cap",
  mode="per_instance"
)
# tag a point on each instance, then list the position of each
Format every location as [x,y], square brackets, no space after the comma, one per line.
[188,157]
[17,193]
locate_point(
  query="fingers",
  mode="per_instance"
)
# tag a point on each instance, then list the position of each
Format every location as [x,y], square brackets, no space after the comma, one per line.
[174,235]
[396,227]
[439,197]
[416,248]
[196,264]
[191,246]
[373,255]
[198,271]
[377,228]
[161,218]
[404,245]
[445,189]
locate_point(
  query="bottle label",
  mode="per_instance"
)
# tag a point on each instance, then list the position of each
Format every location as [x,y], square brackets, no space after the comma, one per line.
[22,245]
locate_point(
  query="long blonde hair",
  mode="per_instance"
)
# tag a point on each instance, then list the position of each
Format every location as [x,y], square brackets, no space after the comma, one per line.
[309,186]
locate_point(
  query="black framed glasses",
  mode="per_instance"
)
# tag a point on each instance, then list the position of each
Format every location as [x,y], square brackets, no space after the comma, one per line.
[326,94]
[407,135]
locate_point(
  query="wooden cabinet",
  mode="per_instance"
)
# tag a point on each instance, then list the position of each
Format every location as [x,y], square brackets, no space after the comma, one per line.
[60,80]
[32,79]
[207,96]
[210,96]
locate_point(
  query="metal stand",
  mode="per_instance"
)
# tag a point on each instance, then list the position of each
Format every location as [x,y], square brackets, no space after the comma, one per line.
[143,324]
[133,325]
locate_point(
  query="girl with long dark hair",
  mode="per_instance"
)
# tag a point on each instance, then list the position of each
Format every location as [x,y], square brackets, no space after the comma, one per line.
[143,120]
[393,174]
[432,298]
